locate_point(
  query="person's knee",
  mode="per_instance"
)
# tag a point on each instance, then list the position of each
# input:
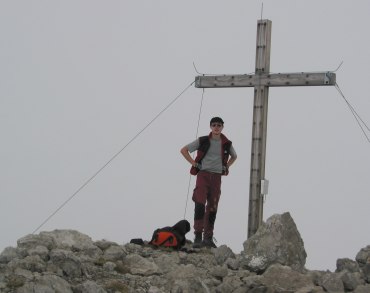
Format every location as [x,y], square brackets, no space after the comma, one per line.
[199,211]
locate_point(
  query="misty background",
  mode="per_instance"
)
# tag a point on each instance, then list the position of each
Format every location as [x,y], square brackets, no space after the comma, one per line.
[80,79]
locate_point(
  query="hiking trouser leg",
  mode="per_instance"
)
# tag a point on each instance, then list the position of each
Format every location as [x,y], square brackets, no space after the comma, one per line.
[212,205]
[206,197]
[200,199]
[199,212]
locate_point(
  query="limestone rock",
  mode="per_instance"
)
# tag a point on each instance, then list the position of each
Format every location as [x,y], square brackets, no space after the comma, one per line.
[276,242]
[222,253]
[186,278]
[366,272]
[310,289]
[139,265]
[284,277]
[167,262]
[73,240]
[362,289]
[8,254]
[233,263]
[346,264]
[41,251]
[219,272]
[363,256]
[89,287]
[332,283]
[32,241]
[46,284]
[67,261]
[352,280]
[363,259]
[114,252]
[230,284]
[104,244]
[31,263]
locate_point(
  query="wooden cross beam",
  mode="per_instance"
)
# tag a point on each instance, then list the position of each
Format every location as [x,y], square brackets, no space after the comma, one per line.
[262,80]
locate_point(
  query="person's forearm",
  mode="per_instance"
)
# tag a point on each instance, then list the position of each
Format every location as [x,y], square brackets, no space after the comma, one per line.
[231,161]
[185,152]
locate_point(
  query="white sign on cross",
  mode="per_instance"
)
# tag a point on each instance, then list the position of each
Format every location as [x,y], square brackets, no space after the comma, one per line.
[261,81]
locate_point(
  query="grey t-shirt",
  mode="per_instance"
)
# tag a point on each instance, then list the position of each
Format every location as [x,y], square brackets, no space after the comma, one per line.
[212,161]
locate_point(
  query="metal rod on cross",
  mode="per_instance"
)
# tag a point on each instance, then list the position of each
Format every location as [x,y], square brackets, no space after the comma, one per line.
[262,80]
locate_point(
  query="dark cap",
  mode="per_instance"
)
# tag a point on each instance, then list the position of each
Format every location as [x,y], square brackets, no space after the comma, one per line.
[215,120]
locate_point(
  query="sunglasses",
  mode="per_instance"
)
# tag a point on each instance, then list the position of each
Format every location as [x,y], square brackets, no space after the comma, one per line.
[216,125]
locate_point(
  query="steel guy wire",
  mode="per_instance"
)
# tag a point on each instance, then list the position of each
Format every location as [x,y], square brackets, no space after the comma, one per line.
[354,113]
[112,158]
[196,136]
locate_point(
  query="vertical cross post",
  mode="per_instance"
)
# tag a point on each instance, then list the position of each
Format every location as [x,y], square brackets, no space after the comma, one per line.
[259,128]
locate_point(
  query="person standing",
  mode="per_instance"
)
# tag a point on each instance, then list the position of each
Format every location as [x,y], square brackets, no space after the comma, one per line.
[215,155]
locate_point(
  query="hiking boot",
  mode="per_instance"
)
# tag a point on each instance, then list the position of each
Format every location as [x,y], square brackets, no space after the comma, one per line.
[208,242]
[197,240]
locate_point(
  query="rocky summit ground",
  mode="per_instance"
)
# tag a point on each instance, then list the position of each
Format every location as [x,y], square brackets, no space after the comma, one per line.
[272,262]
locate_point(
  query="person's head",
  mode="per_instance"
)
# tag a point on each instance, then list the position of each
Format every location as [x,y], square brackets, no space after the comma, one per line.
[216,120]
[216,124]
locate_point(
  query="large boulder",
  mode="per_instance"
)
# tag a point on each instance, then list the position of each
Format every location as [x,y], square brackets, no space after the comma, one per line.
[276,242]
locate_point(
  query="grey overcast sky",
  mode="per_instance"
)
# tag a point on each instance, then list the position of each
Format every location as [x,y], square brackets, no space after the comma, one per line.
[79,79]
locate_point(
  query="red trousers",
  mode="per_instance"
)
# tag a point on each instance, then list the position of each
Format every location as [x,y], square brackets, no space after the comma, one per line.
[206,196]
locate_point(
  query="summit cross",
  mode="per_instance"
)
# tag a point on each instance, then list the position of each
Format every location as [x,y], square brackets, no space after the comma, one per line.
[262,80]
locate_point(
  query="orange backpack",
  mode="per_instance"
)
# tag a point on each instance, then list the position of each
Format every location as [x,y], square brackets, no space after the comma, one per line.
[164,237]
[171,236]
